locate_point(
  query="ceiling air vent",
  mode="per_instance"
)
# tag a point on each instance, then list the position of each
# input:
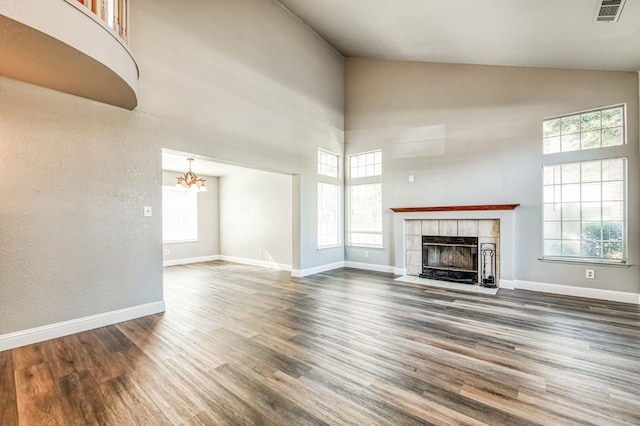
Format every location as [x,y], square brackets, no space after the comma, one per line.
[609,10]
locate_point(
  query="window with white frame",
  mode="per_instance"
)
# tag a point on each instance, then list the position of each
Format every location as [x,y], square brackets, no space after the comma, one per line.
[365,215]
[328,200]
[327,164]
[179,215]
[364,218]
[587,130]
[366,164]
[584,202]
[328,214]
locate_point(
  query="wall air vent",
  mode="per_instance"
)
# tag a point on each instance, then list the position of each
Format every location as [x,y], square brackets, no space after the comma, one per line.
[609,10]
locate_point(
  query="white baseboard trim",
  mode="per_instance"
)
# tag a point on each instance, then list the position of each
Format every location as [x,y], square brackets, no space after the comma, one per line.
[254,262]
[65,328]
[370,267]
[299,273]
[567,290]
[188,260]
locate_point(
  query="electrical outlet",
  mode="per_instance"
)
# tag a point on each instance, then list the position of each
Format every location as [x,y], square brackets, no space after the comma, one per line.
[591,274]
[366,254]
[147,211]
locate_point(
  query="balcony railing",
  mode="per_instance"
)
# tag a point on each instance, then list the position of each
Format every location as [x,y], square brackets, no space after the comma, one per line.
[114,13]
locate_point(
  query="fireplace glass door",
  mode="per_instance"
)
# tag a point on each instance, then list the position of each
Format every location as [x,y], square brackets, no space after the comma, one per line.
[450,258]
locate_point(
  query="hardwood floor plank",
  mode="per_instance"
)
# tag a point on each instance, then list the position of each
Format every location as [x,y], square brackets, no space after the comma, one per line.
[37,398]
[227,407]
[82,401]
[65,355]
[8,400]
[246,345]
[247,384]
[27,356]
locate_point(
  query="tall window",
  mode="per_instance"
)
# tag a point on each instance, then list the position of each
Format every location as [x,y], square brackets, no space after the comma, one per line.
[367,164]
[328,200]
[179,215]
[584,211]
[365,215]
[327,164]
[587,130]
[365,200]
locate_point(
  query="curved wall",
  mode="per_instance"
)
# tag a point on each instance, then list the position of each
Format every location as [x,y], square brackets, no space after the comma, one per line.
[74,53]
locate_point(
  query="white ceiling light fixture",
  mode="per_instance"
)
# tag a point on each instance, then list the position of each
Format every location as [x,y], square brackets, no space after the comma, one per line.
[609,10]
[190,181]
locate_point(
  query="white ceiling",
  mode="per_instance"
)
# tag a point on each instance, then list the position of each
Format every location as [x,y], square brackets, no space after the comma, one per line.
[175,161]
[537,33]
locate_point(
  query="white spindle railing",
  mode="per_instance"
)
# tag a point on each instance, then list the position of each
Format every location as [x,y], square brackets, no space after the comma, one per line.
[115,13]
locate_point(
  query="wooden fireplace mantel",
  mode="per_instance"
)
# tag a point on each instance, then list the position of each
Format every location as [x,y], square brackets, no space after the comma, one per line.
[455,208]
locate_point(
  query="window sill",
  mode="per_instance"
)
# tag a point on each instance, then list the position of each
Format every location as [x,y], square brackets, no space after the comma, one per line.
[618,264]
[365,247]
[330,247]
[179,241]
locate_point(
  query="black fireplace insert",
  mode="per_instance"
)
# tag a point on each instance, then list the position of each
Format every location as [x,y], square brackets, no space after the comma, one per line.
[450,258]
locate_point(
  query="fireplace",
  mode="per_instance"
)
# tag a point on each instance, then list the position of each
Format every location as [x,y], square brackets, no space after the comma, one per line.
[464,251]
[492,224]
[450,258]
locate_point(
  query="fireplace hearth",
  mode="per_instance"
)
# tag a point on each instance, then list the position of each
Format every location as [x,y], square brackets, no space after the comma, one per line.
[450,258]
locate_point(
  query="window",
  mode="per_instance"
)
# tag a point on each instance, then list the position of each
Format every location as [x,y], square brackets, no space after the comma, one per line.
[327,164]
[328,214]
[584,202]
[365,215]
[328,200]
[364,165]
[587,130]
[364,219]
[179,215]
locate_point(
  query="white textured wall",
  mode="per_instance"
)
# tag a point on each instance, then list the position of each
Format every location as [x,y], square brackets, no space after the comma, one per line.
[256,219]
[491,152]
[208,243]
[239,80]
[74,177]
[243,81]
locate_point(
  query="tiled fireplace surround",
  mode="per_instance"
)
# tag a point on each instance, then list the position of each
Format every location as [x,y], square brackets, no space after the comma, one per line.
[488,225]
[486,230]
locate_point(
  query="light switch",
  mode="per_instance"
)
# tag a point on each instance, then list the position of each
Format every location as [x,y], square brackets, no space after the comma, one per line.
[147,211]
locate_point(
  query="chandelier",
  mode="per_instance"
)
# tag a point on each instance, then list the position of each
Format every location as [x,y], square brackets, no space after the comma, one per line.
[190,181]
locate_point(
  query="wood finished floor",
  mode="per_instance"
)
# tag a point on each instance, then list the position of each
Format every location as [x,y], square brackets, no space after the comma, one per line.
[244,345]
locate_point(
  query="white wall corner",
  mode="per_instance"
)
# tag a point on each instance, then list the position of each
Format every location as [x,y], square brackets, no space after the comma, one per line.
[400,271]
[189,260]
[370,267]
[300,273]
[270,264]
[65,328]
[567,290]
[507,284]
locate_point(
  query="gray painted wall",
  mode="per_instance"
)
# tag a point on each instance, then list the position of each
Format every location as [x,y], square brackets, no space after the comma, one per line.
[491,152]
[256,217]
[74,178]
[242,81]
[208,243]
